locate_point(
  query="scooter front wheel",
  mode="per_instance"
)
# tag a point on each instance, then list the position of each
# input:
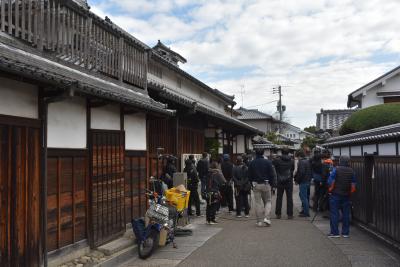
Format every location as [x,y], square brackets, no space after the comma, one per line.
[147,247]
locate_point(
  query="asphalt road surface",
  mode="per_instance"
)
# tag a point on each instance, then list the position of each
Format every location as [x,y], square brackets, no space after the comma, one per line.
[286,243]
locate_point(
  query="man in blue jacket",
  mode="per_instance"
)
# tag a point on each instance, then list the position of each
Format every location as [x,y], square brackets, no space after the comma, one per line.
[342,183]
[261,176]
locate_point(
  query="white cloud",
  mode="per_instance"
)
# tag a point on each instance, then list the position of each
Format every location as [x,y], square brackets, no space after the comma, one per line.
[322,49]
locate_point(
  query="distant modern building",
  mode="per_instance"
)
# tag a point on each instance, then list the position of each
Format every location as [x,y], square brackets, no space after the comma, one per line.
[332,119]
[382,90]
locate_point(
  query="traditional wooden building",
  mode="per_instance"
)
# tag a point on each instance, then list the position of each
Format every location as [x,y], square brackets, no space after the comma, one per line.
[203,114]
[73,108]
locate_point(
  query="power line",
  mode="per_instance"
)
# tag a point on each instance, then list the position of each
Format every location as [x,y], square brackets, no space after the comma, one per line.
[262,104]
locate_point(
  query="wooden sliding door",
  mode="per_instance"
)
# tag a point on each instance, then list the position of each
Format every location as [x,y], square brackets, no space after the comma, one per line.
[19,193]
[107,185]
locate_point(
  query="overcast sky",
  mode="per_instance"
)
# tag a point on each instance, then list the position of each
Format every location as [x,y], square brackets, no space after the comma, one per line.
[319,51]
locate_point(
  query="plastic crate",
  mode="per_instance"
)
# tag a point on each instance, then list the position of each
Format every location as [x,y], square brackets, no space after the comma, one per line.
[179,199]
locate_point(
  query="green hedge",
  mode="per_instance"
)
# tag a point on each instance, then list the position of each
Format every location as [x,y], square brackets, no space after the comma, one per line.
[370,118]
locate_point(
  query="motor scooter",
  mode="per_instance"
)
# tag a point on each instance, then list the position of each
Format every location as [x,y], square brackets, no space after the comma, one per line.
[159,216]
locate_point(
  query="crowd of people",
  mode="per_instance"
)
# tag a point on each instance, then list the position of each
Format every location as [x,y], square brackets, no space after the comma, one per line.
[222,182]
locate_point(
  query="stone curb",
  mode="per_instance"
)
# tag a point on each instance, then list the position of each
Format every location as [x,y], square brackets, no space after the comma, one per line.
[119,257]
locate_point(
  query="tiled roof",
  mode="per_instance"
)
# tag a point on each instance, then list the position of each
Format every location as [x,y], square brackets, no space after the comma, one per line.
[260,142]
[252,114]
[378,134]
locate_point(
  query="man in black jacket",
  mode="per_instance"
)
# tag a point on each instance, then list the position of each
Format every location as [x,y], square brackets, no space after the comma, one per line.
[342,183]
[242,187]
[227,171]
[262,177]
[284,168]
[303,178]
[193,183]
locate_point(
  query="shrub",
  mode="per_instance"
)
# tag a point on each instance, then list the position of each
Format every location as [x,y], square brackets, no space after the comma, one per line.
[371,117]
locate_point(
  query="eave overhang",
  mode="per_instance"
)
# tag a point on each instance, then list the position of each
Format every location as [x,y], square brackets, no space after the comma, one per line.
[385,133]
[172,95]
[37,67]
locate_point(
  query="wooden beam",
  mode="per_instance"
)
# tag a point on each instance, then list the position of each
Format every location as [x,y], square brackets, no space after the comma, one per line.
[97,103]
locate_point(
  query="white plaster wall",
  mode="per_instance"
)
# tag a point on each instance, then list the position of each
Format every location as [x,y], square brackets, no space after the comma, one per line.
[249,143]
[241,145]
[189,89]
[106,117]
[66,127]
[135,132]
[261,125]
[371,99]
[336,151]
[356,151]
[345,151]
[370,149]
[387,149]
[234,147]
[18,99]
[392,85]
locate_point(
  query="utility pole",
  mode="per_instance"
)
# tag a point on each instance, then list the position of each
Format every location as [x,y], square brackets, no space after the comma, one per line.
[281,108]
[242,92]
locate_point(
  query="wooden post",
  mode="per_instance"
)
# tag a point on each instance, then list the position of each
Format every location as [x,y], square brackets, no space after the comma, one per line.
[41,25]
[146,69]
[43,110]
[88,51]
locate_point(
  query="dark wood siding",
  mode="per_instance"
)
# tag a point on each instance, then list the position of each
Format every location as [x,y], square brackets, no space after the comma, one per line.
[360,197]
[135,184]
[191,140]
[19,196]
[66,197]
[393,99]
[163,133]
[377,197]
[107,216]
[386,193]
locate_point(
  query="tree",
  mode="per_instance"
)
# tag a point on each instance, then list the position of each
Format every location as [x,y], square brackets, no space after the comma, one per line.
[309,142]
[273,138]
[311,129]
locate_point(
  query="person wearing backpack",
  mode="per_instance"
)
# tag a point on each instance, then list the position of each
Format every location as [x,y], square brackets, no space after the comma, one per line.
[242,187]
[342,184]
[215,180]
[284,166]
[303,178]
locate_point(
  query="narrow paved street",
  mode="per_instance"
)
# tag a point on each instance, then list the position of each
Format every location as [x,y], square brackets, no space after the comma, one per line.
[298,242]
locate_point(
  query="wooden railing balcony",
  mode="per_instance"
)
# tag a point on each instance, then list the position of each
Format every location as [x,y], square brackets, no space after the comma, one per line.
[74,34]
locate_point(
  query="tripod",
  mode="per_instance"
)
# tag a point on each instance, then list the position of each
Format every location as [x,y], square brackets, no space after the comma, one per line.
[322,203]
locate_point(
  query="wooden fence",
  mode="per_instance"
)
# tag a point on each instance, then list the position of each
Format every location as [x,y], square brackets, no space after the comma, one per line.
[376,203]
[76,36]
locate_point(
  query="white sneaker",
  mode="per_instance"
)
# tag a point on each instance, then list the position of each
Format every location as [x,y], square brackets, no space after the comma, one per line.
[212,223]
[267,222]
[260,224]
[247,216]
[238,216]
